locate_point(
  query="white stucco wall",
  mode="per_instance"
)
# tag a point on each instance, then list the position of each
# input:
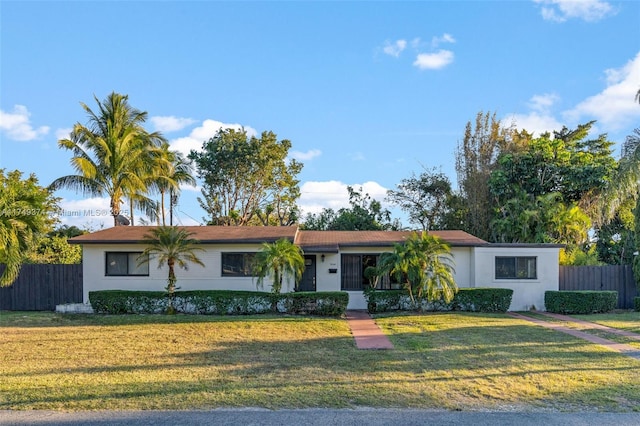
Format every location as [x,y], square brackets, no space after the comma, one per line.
[528,293]
[474,267]
[196,277]
[326,281]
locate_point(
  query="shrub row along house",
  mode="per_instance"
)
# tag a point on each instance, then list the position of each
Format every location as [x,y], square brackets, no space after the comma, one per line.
[334,261]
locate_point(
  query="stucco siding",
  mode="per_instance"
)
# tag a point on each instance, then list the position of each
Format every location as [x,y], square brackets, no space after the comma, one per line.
[196,277]
[527,293]
[474,267]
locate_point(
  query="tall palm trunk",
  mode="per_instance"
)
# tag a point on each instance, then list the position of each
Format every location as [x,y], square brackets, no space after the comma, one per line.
[115,211]
[162,206]
[171,286]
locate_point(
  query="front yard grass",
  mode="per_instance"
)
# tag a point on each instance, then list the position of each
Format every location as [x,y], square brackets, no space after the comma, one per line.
[445,360]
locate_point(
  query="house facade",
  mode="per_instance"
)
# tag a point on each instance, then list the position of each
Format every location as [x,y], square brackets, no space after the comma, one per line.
[334,261]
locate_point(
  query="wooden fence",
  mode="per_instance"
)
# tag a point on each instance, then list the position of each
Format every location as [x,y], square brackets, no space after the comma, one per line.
[42,287]
[609,277]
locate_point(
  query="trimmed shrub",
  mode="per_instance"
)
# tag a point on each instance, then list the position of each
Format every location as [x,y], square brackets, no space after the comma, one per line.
[219,302]
[466,299]
[128,302]
[580,302]
[636,304]
[483,299]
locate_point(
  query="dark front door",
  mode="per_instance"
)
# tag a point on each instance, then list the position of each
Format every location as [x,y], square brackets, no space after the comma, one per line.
[308,282]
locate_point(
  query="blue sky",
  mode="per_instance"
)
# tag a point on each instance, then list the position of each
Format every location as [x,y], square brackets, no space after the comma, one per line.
[367,92]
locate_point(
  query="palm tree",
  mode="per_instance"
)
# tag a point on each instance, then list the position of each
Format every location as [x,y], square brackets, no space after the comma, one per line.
[279,260]
[25,209]
[423,264]
[172,246]
[172,171]
[113,155]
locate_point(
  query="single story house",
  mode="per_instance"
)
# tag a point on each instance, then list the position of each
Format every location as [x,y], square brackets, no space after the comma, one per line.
[335,260]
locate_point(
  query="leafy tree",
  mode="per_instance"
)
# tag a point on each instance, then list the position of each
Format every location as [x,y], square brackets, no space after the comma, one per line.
[26,211]
[247,180]
[279,260]
[172,246]
[626,190]
[615,238]
[365,214]
[476,157]
[53,247]
[545,191]
[424,198]
[113,156]
[423,264]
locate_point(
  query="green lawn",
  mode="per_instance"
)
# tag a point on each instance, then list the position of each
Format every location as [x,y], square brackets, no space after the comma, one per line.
[445,360]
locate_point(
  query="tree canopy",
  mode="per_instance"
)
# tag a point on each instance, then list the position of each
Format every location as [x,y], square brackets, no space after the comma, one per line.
[425,198]
[114,155]
[26,213]
[247,180]
[544,192]
[364,214]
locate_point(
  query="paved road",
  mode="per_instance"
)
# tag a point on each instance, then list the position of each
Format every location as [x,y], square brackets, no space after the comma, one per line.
[313,417]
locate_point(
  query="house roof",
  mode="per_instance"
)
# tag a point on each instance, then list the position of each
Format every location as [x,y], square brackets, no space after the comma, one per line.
[205,234]
[318,241]
[330,241]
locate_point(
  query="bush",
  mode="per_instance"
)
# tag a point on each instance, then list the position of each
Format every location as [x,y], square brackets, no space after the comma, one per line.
[483,299]
[636,304]
[466,299]
[219,302]
[580,302]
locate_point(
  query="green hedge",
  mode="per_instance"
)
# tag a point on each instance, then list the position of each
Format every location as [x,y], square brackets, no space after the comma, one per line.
[466,299]
[219,302]
[580,302]
[636,304]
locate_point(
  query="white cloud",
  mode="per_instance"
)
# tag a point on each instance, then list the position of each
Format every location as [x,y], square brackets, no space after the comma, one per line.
[305,156]
[433,61]
[171,123]
[315,196]
[615,106]
[192,188]
[207,130]
[93,213]
[534,122]
[563,10]
[394,49]
[540,119]
[17,125]
[63,133]
[543,103]
[444,38]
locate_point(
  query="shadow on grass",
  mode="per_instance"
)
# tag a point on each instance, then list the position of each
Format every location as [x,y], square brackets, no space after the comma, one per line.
[330,372]
[28,319]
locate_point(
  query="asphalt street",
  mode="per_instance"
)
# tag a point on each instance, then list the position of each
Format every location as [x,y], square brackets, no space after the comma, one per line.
[361,416]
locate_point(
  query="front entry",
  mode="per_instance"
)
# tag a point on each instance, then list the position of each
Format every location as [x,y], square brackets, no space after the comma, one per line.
[308,282]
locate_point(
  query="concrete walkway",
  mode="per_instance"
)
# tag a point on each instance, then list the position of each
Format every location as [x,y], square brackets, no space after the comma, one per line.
[614,346]
[593,325]
[366,332]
